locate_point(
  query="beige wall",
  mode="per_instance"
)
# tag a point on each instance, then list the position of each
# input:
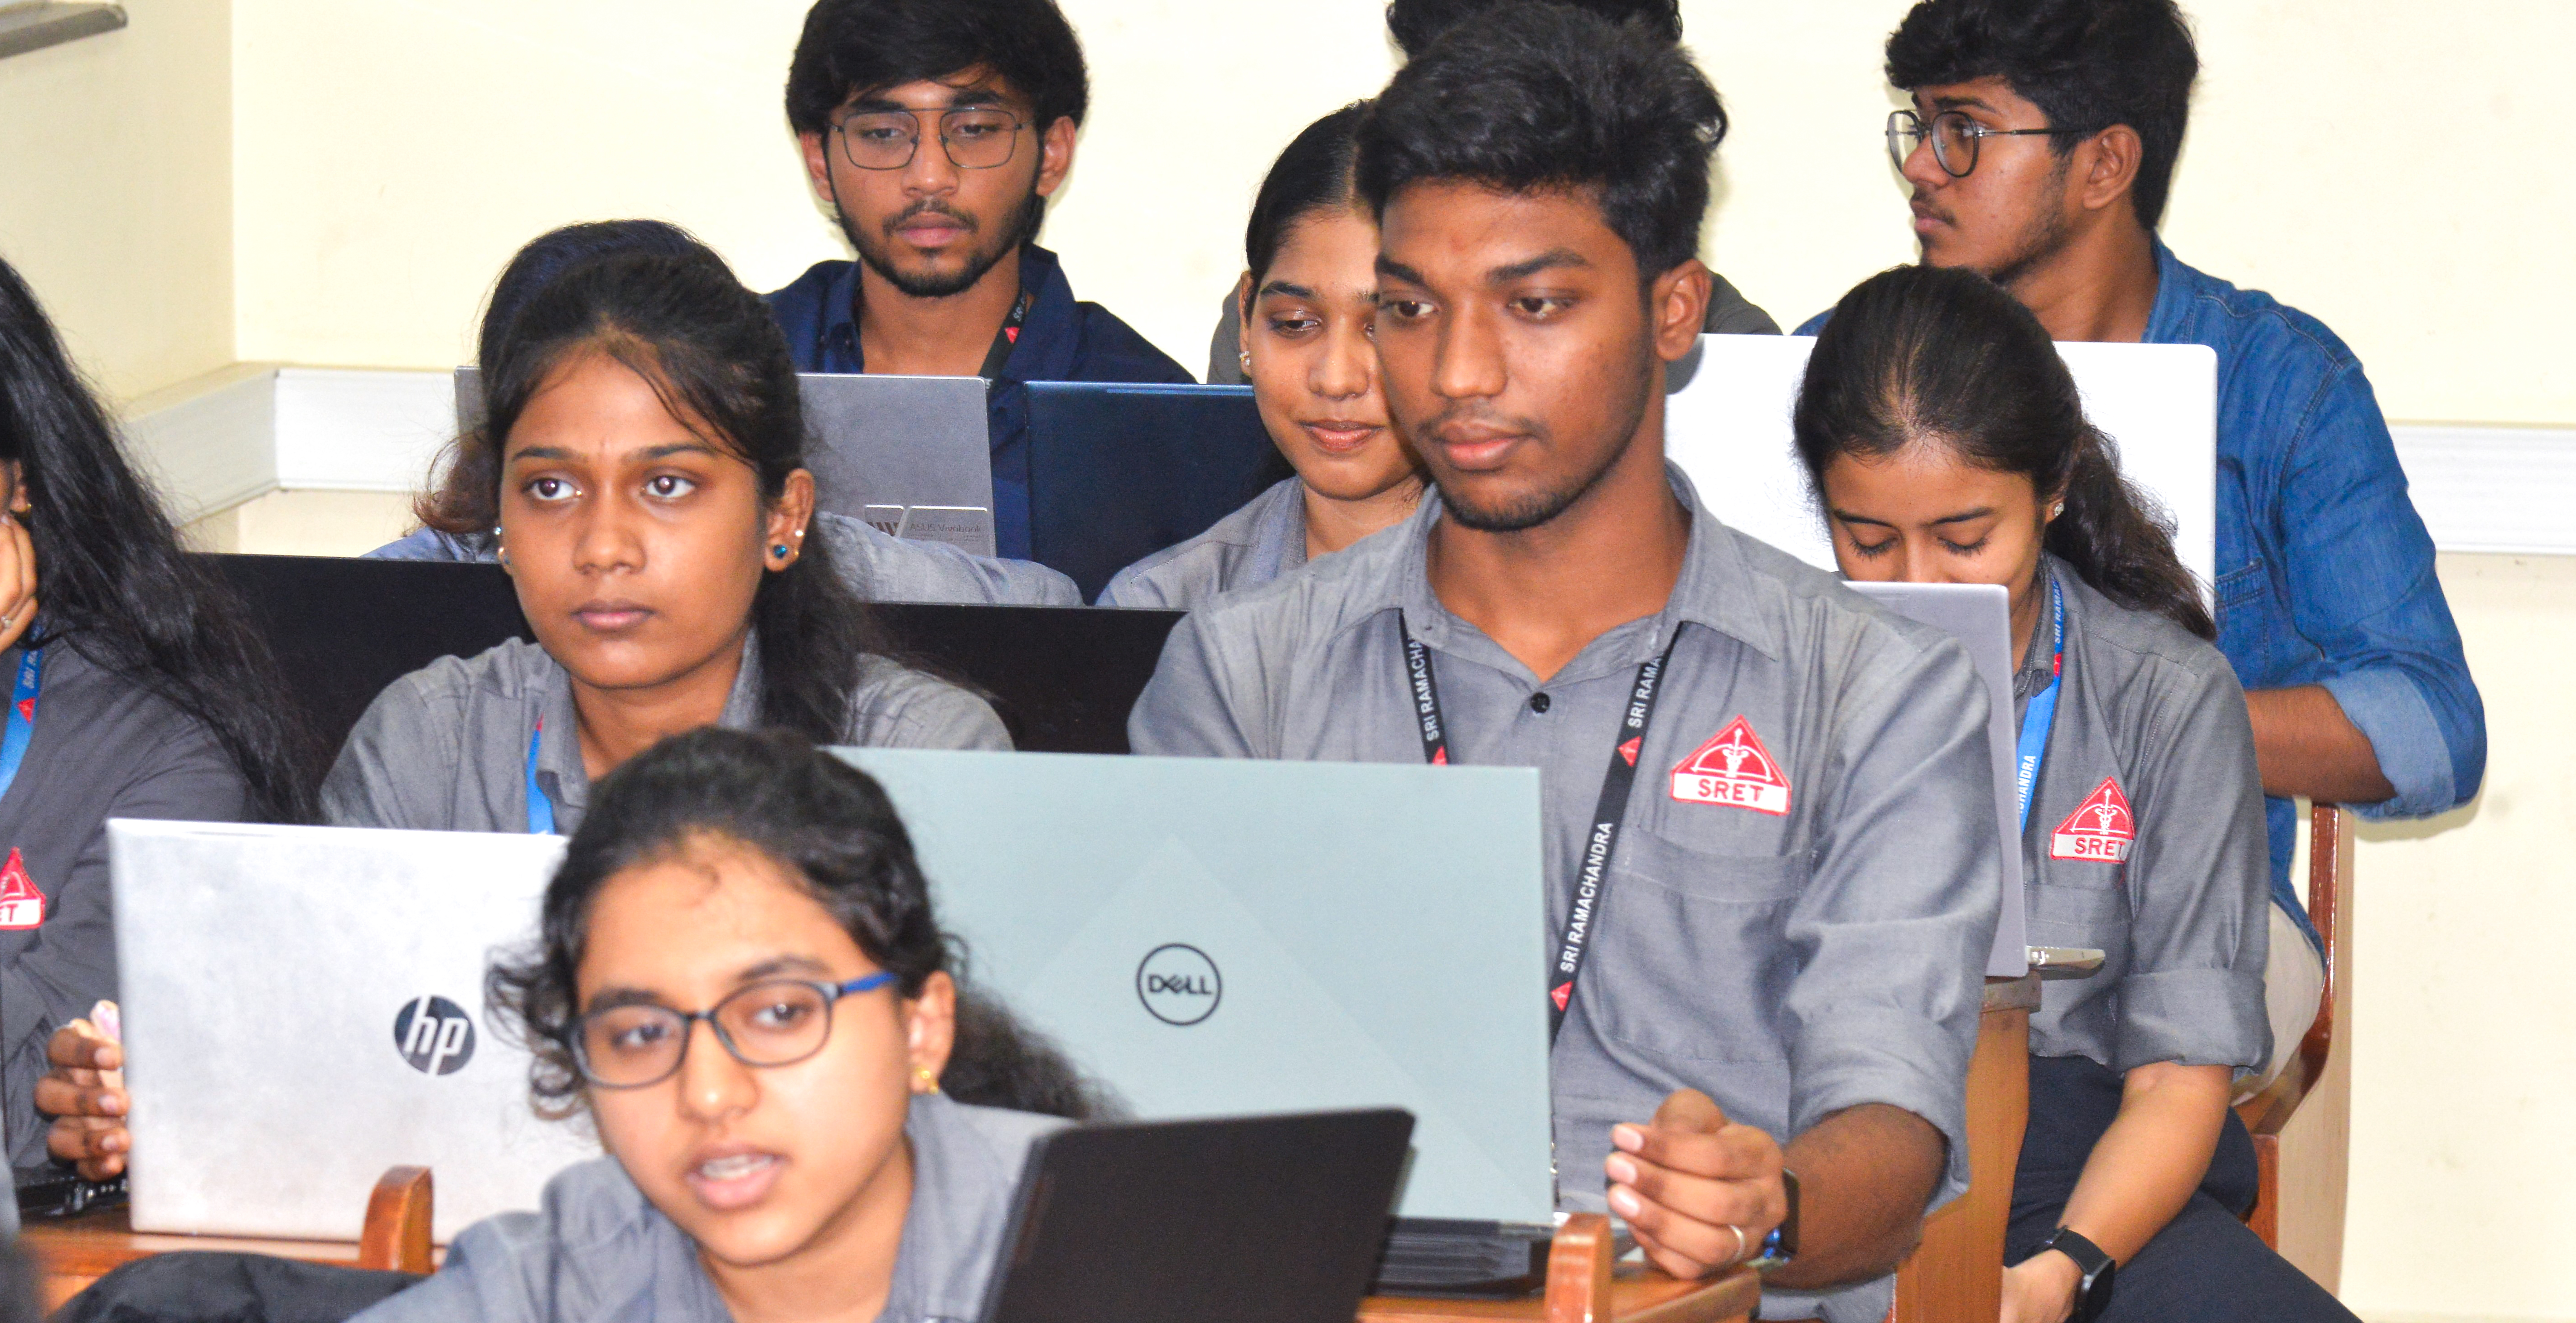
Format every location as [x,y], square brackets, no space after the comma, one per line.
[313,181]
[116,192]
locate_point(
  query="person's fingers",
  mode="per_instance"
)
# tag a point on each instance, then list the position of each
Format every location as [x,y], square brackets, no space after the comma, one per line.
[1690,1109]
[1737,1152]
[1676,1244]
[1754,1203]
[69,1047]
[68,1094]
[97,1147]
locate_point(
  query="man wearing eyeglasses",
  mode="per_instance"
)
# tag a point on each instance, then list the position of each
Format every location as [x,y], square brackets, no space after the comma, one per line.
[936,130]
[2041,148]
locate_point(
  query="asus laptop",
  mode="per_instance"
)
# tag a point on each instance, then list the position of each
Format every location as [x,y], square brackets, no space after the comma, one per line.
[1118,471]
[303,1008]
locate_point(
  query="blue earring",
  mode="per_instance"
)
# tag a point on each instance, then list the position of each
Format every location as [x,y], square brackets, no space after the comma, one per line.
[780,551]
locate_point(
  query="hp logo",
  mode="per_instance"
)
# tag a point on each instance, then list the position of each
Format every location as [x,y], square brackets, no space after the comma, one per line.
[1179,984]
[434,1035]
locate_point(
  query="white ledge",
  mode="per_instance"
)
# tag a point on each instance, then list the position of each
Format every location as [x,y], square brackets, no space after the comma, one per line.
[223,439]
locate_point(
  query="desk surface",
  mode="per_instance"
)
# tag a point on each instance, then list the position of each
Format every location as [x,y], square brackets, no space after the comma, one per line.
[1637,1295]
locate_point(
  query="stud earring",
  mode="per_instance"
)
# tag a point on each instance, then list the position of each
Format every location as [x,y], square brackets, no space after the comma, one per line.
[779,551]
[2057,509]
[924,1080]
[1245,356]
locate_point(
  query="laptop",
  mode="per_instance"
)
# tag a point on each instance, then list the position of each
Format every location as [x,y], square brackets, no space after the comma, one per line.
[1119,471]
[1979,615]
[1196,941]
[1252,1220]
[274,1080]
[911,455]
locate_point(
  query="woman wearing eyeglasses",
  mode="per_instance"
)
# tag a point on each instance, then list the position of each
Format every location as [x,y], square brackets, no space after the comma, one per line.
[1307,301]
[738,979]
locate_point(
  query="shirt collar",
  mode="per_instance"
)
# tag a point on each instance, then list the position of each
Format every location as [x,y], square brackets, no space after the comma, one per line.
[1279,536]
[957,1187]
[560,770]
[1710,592]
[2038,660]
[2173,293]
[1044,350]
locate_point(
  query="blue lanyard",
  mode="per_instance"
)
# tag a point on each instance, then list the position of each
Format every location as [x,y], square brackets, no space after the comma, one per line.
[22,716]
[2042,712]
[541,810]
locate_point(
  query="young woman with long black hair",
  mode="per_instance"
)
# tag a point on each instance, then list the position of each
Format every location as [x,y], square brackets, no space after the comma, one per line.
[1307,301]
[1947,444]
[879,567]
[738,977]
[137,690]
[642,465]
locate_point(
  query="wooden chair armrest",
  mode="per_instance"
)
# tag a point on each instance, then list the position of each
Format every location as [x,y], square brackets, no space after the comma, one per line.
[2329,875]
[396,1234]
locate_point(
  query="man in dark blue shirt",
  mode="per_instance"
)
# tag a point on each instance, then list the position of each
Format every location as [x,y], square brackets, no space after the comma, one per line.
[2041,147]
[936,130]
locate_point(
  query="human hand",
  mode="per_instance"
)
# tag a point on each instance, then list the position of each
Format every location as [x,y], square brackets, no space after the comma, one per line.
[2041,1289]
[1700,1192]
[85,1094]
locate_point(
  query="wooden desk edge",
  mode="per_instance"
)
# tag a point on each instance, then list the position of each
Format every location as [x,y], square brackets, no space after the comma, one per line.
[1637,1295]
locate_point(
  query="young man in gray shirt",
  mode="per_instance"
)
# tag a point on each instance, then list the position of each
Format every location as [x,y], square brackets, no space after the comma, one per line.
[1768,804]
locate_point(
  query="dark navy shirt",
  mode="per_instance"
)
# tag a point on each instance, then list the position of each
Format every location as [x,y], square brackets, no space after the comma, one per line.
[1061,340]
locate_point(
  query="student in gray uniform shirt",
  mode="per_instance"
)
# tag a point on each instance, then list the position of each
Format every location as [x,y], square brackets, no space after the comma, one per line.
[1414,24]
[1309,295]
[880,567]
[1947,444]
[136,689]
[796,1161]
[644,463]
[1768,804]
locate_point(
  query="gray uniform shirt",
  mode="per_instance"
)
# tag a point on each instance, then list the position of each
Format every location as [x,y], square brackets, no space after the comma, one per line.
[878,565]
[2146,841]
[103,747]
[445,748]
[1251,547]
[1793,948]
[598,1252]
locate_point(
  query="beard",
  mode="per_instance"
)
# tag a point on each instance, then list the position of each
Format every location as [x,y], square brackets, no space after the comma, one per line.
[1519,514]
[2041,241]
[878,250]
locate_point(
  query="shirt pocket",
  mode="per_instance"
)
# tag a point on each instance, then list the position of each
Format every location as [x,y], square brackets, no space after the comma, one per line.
[1692,960]
[2085,905]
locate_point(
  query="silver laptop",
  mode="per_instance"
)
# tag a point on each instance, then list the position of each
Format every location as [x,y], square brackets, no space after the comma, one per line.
[1979,615]
[911,455]
[1221,937]
[303,1008]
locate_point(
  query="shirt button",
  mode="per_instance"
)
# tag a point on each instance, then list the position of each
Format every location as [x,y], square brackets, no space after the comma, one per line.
[1538,702]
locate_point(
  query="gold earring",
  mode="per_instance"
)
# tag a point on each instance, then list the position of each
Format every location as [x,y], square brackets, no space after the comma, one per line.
[925,1080]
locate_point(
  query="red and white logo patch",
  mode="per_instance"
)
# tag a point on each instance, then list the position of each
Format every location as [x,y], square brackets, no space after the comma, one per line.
[1733,769]
[2100,831]
[21,904]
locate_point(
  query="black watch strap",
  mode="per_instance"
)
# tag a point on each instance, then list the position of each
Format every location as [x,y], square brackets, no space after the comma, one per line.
[2093,1291]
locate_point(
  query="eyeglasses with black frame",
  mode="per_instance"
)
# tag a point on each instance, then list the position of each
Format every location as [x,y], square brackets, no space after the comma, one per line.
[975,137]
[777,1022]
[1954,136]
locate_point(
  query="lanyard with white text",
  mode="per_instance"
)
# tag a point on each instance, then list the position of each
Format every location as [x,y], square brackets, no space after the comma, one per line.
[22,716]
[1592,881]
[541,810]
[2042,712]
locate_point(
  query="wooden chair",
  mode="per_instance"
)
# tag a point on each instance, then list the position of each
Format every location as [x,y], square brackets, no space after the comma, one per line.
[2316,1191]
[1583,1286]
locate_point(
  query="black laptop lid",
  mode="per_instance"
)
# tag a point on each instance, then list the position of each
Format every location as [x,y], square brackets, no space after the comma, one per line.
[1063,678]
[1118,472]
[1274,1219]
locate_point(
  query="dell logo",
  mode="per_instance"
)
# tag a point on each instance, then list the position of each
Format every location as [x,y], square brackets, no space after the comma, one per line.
[434,1035]
[1179,984]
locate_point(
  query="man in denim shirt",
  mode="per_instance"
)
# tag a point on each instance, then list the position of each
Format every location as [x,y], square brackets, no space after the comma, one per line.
[2041,148]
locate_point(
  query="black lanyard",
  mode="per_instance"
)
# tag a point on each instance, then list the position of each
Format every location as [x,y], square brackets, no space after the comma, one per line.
[1592,881]
[1007,337]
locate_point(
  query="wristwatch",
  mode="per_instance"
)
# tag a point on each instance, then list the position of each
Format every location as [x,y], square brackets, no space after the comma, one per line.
[1781,1245]
[2093,1290]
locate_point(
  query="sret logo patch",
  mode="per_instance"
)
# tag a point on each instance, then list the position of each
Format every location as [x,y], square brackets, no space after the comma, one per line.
[2099,831]
[1733,769]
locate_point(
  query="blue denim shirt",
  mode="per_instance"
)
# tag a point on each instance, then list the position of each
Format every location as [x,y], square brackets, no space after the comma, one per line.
[2325,572]
[1061,340]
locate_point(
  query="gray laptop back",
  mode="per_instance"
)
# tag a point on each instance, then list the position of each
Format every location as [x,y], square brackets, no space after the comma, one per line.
[911,455]
[303,1008]
[1217,938]
[1979,615]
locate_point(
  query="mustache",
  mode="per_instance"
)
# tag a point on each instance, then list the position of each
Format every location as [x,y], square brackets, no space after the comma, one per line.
[931,207]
